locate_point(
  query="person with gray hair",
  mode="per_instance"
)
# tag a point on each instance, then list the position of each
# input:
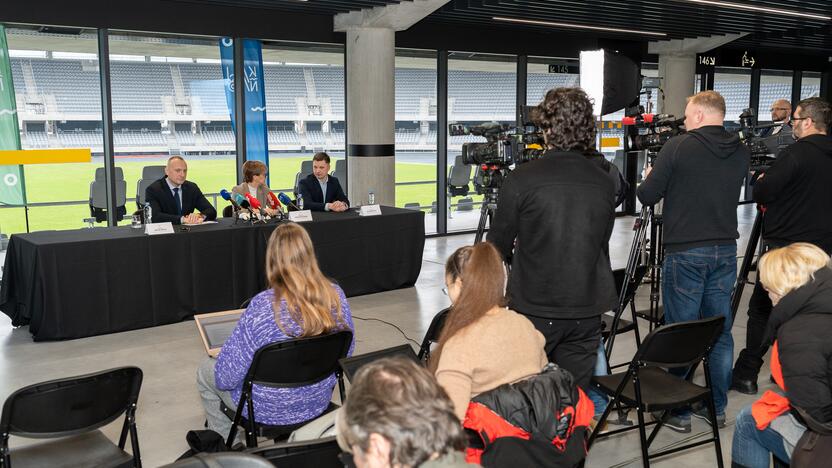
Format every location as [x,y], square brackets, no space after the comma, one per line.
[397,415]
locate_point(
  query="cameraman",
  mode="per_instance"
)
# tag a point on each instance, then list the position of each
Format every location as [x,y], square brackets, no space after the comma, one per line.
[796,192]
[699,175]
[553,225]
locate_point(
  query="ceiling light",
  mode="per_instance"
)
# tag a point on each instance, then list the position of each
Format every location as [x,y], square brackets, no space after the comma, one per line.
[776,11]
[576,26]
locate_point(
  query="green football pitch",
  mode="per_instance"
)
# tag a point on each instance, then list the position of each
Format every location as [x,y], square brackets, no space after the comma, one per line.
[71,182]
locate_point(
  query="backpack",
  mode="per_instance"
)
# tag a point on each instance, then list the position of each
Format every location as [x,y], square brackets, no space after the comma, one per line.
[541,421]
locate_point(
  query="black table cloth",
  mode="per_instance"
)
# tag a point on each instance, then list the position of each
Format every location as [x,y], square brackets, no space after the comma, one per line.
[71,284]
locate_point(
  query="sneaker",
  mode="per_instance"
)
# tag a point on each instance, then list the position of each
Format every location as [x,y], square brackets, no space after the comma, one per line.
[674,422]
[703,414]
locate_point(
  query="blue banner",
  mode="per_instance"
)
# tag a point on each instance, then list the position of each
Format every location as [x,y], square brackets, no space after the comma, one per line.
[257,135]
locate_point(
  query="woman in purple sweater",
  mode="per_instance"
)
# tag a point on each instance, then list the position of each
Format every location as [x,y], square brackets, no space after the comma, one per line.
[301,302]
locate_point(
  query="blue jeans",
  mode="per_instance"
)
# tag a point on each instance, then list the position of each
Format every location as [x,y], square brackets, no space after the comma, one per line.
[599,399]
[697,284]
[752,448]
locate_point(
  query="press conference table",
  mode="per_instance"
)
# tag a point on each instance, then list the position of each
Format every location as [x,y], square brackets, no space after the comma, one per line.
[85,282]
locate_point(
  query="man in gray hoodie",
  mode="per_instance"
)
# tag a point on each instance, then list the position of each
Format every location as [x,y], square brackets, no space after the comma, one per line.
[699,175]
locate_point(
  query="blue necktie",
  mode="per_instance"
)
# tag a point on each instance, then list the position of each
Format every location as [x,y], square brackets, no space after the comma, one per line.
[178,202]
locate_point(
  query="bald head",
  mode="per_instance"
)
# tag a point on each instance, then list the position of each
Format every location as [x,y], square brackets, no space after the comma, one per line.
[176,170]
[781,111]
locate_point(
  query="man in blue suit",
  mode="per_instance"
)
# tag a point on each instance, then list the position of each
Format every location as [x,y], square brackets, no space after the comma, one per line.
[321,191]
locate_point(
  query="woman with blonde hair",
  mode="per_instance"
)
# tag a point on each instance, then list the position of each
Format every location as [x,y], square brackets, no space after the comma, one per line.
[300,302]
[483,344]
[798,280]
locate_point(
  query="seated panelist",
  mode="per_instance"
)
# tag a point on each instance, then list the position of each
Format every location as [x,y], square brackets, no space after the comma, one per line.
[174,199]
[321,191]
[254,183]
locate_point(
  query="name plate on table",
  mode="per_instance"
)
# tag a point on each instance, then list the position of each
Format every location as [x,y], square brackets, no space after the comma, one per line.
[300,216]
[158,228]
[370,210]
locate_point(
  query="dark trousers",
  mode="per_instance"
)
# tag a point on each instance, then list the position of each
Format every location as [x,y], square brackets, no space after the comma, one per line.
[572,344]
[750,359]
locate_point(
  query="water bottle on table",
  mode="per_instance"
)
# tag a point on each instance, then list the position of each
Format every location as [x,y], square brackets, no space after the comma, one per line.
[300,202]
[148,213]
[371,198]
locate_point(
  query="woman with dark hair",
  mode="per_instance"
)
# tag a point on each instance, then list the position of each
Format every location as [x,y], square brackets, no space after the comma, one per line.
[300,302]
[483,344]
[254,183]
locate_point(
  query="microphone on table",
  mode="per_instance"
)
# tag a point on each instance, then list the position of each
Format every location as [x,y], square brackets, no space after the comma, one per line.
[227,197]
[274,203]
[244,205]
[286,200]
[255,205]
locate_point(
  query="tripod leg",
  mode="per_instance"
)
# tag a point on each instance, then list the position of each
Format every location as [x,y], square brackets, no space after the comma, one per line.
[485,214]
[745,267]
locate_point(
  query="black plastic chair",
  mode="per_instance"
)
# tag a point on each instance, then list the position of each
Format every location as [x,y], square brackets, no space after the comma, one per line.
[647,387]
[228,211]
[73,409]
[350,365]
[432,335]
[320,453]
[222,460]
[287,364]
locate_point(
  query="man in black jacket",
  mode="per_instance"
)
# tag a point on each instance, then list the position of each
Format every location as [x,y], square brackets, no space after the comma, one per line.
[174,199]
[321,191]
[699,175]
[553,224]
[796,193]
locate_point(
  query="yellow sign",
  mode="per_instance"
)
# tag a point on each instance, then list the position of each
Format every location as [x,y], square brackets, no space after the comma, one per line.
[45,156]
[610,142]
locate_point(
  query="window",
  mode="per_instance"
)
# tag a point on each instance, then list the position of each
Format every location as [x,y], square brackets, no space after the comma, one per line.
[56,83]
[416,155]
[168,104]
[305,108]
[734,84]
[544,74]
[774,85]
[810,85]
[481,88]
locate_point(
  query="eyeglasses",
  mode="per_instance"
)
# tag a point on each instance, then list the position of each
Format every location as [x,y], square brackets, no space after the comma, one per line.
[778,108]
[800,118]
[445,291]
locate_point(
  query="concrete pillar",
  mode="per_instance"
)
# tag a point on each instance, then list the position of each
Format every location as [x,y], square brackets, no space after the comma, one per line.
[678,76]
[371,105]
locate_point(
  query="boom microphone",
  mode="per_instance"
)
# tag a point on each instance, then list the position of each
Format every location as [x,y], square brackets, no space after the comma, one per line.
[286,200]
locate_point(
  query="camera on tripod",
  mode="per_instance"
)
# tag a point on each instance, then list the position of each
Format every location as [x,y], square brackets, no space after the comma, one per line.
[506,145]
[658,129]
[762,148]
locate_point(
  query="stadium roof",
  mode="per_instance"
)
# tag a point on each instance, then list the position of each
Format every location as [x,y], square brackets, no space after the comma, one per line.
[782,24]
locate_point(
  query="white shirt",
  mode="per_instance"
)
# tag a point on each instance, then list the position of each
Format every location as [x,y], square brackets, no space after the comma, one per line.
[252,190]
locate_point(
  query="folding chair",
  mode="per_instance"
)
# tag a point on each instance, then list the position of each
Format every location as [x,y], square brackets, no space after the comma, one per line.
[350,365]
[222,460]
[647,387]
[320,453]
[432,335]
[72,410]
[614,324]
[287,364]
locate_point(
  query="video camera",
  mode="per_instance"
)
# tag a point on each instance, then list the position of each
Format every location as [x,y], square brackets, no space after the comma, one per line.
[659,128]
[762,149]
[505,145]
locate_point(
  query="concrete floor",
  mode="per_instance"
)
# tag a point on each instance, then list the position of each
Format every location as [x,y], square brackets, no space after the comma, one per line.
[169,405]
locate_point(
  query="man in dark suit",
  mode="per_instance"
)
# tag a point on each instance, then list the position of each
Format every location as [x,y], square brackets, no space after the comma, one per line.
[321,191]
[174,199]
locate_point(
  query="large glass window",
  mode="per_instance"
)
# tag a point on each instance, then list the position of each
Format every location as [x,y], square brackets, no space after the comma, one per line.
[169,99]
[416,155]
[734,84]
[481,88]
[544,74]
[774,85]
[305,108]
[810,85]
[56,85]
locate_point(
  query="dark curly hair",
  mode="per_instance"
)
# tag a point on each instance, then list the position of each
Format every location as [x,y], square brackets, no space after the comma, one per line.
[565,116]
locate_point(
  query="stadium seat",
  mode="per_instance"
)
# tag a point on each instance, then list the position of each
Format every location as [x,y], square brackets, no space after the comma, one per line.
[460,176]
[150,174]
[72,410]
[340,172]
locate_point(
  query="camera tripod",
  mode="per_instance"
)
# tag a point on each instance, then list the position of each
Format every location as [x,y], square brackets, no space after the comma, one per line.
[747,261]
[646,253]
[489,207]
